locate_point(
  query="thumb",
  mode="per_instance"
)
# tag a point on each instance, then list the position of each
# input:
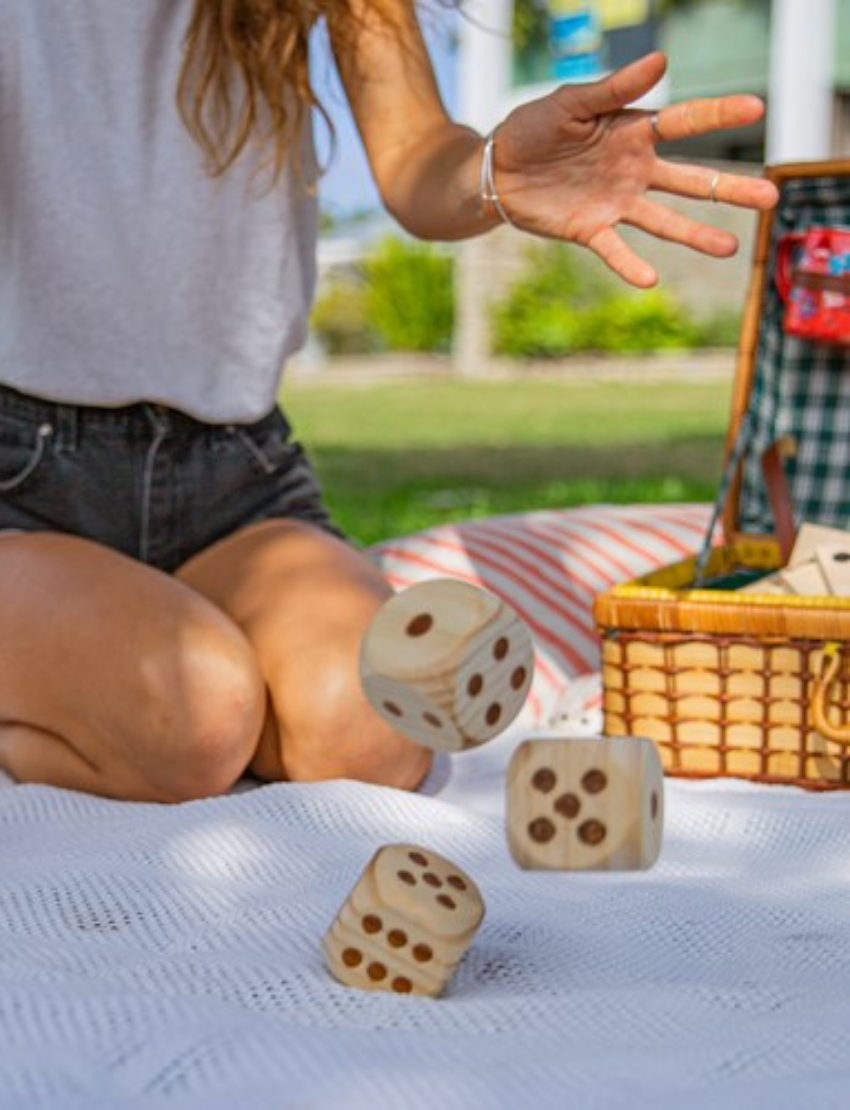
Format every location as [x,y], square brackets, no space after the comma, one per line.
[621,88]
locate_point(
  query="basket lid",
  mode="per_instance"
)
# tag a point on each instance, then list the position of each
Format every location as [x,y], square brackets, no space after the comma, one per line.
[791,396]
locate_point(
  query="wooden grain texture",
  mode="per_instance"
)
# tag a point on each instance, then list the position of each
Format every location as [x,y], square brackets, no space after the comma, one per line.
[834,561]
[811,537]
[447,663]
[406,924]
[578,804]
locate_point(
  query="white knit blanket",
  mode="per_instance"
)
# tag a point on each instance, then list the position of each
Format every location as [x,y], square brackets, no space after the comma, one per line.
[169,957]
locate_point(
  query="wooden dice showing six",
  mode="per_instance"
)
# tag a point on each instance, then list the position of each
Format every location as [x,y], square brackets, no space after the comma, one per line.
[447,663]
[406,924]
[585,804]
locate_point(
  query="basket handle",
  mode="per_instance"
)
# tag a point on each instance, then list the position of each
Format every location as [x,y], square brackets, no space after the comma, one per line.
[830,666]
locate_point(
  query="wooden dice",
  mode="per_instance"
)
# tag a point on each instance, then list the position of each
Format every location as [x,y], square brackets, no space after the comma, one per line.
[406,924]
[447,663]
[585,804]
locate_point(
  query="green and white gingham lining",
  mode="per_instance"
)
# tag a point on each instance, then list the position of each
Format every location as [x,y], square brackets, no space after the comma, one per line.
[801,389]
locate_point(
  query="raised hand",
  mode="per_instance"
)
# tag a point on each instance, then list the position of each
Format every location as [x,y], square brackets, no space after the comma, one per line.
[576,164]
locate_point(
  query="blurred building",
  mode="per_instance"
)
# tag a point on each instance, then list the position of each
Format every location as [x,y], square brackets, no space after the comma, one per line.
[793,53]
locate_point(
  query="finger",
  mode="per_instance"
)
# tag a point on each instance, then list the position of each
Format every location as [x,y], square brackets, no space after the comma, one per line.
[619,257]
[686,180]
[698,117]
[662,222]
[614,92]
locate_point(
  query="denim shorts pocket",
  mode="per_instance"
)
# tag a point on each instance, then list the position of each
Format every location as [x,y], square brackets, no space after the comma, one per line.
[22,450]
[267,443]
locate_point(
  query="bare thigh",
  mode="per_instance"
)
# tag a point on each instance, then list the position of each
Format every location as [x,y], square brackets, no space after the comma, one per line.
[118,679]
[304,599]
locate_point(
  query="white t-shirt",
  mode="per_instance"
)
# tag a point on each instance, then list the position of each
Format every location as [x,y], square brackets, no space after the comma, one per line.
[127,273]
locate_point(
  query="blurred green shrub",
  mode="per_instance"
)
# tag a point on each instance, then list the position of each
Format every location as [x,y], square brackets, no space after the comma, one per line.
[339,318]
[560,307]
[634,323]
[409,289]
[400,298]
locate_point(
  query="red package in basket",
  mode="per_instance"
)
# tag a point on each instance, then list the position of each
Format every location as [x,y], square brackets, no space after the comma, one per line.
[813,280]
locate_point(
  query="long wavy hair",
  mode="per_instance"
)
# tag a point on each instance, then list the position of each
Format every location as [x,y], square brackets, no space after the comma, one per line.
[245,77]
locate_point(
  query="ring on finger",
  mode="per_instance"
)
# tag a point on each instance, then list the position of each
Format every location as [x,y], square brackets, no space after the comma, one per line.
[653,123]
[712,188]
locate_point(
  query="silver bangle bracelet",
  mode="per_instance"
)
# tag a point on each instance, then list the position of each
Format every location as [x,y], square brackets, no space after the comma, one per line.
[489,192]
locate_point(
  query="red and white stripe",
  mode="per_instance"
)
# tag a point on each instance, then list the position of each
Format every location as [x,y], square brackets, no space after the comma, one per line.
[549,566]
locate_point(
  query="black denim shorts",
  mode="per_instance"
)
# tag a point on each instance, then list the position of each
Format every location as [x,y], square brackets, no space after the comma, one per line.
[146,480]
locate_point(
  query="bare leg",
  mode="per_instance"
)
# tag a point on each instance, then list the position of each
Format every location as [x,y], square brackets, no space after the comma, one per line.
[304,600]
[116,679]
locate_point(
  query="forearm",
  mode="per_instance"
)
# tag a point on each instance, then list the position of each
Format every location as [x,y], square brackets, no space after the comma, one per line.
[434,186]
[426,166]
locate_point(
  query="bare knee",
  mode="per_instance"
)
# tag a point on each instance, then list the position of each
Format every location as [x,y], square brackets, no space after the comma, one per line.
[344,738]
[204,700]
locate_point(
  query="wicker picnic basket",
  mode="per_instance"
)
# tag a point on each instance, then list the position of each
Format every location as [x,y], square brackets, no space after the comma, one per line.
[752,685]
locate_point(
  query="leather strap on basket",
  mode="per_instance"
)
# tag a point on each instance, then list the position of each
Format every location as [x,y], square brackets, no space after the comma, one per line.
[830,667]
[778,494]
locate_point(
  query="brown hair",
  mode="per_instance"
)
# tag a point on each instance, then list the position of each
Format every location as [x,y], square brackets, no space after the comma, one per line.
[245,76]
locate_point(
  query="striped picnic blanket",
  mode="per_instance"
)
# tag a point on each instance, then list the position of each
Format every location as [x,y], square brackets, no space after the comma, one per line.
[549,566]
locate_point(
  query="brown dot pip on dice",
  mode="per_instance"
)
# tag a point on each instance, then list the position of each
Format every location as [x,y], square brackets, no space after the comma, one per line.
[431,652]
[542,830]
[568,806]
[402,933]
[592,832]
[420,625]
[585,804]
[594,781]
[544,780]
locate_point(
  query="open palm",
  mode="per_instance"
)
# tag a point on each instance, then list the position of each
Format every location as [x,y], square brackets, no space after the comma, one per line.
[576,164]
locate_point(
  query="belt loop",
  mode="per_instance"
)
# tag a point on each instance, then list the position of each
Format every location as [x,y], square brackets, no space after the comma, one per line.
[158,417]
[67,427]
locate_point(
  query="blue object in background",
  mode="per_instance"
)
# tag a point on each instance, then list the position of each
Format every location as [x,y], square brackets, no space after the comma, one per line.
[576,41]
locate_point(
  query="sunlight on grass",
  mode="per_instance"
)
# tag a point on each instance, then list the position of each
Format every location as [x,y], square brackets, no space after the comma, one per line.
[396,458]
[446,413]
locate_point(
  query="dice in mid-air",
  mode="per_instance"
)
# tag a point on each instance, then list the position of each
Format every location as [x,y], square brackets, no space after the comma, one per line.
[578,804]
[447,663]
[406,924]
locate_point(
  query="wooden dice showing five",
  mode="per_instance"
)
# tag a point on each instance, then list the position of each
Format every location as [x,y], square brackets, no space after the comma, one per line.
[447,663]
[585,804]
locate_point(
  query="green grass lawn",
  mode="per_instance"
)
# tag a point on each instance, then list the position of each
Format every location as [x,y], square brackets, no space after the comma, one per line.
[398,457]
